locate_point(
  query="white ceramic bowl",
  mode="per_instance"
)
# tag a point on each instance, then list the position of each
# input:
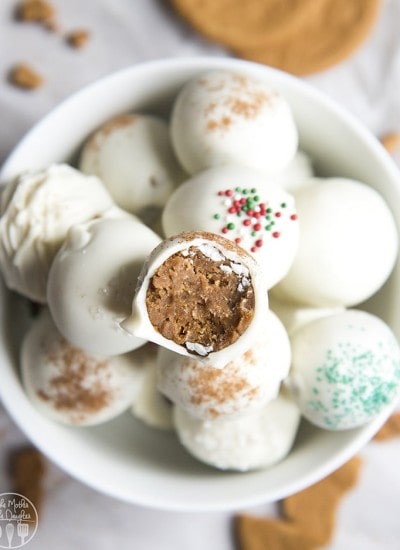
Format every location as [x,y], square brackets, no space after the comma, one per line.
[124,458]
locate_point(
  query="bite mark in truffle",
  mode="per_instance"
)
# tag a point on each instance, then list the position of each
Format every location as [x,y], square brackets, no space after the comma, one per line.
[200,299]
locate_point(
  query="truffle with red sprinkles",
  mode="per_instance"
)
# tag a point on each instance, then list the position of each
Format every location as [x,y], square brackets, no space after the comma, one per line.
[241,205]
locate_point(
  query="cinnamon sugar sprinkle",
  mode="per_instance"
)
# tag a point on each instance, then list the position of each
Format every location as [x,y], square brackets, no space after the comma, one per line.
[116,123]
[217,386]
[80,386]
[243,103]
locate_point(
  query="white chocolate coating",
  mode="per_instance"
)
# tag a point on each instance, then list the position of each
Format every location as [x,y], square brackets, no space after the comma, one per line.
[133,156]
[92,283]
[345,369]
[223,117]
[150,405]
[244,385]
[254,441]
[212,200]
[216,248]
[70,386]
[37,209]
[296,174]
[293,316]
[348,244]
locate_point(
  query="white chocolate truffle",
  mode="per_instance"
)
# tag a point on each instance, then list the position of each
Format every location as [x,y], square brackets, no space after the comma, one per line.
[245,384]
[200,294]
[243,206]
[70,386]
[37,209]
[223,117]
[294,316]
[150,405]
[133,156]
[250,442]
[345,369]
[92,283]
[296,174]
[348,244]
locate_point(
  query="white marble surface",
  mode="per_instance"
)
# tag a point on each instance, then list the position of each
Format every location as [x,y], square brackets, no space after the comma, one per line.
[126,32]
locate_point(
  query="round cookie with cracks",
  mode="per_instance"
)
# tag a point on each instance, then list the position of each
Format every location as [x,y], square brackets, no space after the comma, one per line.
[299,37]
[239,24]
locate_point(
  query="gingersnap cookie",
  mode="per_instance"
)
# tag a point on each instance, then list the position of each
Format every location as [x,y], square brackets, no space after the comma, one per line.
[308,517]
[244,24]
[314,509]
[391,142]
[298,36]
[255,533]
[27,471]
[390,429]
[332,31]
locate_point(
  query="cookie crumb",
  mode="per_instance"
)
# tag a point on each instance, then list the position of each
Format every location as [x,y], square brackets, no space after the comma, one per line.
[27,471]
[391,141]
[23,76]
[78,38]
[35,11]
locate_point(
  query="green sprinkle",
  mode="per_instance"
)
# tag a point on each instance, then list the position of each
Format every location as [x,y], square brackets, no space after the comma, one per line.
[268,227]
[269,210]
[283,205]
[245,191]
[253,233]
[230,225]
[256,198]
[217,216]
[238,189]
[268,217]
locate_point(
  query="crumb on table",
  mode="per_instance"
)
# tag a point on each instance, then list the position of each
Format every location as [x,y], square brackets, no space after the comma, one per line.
[34,11]
[23,76]
[78,38]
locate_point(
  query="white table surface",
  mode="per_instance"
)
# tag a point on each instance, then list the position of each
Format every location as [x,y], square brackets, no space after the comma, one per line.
[125,32]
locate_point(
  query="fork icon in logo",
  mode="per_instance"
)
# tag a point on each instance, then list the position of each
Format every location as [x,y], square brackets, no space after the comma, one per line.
[23,531]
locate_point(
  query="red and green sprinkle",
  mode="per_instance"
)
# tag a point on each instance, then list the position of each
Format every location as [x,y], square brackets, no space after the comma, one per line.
[245,214]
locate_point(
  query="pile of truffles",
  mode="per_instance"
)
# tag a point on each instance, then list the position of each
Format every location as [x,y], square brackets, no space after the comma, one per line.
[198,273]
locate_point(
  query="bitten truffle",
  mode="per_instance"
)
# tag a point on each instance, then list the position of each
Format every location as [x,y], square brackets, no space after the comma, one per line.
[199,294]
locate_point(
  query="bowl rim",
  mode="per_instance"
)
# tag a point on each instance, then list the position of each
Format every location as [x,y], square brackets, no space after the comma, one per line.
[10,388]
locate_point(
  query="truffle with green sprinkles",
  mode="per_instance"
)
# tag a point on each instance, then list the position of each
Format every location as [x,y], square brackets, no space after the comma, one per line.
[241,205]
[345,369]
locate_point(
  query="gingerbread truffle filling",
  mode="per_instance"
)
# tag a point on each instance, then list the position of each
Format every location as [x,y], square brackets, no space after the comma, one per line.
[200,299]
